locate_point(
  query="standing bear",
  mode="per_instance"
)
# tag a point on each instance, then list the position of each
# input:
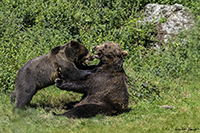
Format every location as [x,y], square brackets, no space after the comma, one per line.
[105,92]
[42,71]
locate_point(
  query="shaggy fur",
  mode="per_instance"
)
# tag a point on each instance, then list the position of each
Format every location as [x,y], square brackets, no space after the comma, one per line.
[42,71]
[105,92]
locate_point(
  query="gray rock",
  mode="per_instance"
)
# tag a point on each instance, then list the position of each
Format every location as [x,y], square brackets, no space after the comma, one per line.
[167,107]
[175,18]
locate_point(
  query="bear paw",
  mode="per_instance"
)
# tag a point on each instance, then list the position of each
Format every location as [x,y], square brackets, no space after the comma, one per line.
[58,81]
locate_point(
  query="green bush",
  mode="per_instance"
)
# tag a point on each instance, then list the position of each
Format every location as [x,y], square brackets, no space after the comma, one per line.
[30,28]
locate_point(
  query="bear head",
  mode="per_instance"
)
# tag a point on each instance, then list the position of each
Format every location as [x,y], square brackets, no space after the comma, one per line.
[74,52]
[110,53]
[81,53]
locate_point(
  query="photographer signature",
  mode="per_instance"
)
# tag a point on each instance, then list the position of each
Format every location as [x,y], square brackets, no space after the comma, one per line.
[188,129]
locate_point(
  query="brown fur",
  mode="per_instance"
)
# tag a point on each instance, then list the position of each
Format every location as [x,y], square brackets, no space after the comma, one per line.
[105,92]
[42,71]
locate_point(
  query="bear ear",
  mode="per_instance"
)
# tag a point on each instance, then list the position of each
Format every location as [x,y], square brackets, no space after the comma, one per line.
[74,44]
[55,50]
[124,53]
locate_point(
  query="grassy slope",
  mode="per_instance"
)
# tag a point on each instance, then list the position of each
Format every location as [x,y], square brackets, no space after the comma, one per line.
[143,116]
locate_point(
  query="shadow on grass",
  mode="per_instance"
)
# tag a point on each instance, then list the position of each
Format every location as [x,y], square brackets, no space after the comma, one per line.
[48,106]
[67,106]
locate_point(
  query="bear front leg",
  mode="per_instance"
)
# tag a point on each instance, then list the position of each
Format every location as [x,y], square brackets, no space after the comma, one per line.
[73,73]
[77,74]
[76,86]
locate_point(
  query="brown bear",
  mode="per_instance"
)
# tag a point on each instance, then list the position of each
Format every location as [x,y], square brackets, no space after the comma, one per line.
[105,92]
[42,71]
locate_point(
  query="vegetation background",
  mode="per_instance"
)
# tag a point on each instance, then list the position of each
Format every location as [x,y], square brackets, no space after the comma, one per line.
[166,76]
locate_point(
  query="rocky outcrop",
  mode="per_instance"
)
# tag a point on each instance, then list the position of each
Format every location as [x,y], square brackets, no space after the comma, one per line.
[170,19]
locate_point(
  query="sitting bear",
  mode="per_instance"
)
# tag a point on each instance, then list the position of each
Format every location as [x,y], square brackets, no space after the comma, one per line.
[105,92]
[42,71]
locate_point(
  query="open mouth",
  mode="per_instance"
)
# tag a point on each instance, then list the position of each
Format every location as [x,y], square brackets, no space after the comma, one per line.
[98,55]
[87,58]
[85,62]
[82,62]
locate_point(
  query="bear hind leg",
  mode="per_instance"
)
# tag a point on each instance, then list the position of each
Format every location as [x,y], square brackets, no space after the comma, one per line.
[24,97]
[86,111]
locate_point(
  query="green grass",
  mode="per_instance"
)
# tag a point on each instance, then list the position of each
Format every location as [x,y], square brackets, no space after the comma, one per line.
[142,117]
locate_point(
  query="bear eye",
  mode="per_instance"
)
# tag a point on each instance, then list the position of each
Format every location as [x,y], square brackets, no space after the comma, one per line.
[105,46]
